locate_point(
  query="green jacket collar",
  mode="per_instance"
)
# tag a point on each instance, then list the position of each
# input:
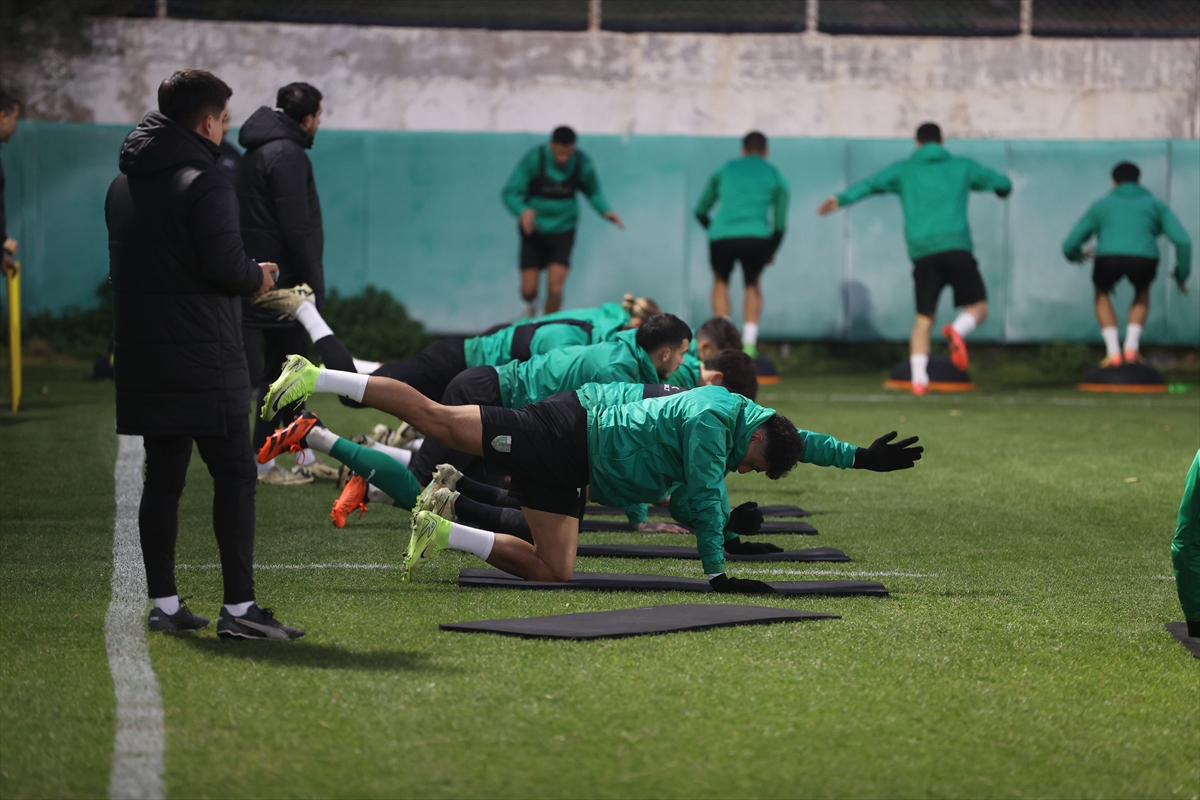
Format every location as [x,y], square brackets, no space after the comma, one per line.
[931,152]
[749,419]
[645,365]
[1129,189]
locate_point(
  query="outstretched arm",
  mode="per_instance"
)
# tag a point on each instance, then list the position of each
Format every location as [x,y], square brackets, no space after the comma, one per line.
[1183,243]
[1083,230]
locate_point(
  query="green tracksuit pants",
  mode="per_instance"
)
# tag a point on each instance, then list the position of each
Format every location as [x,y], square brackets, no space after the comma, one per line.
[380,470]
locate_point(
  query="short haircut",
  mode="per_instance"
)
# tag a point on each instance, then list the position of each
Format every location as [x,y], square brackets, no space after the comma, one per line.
[738,371]
[1126,172]
[190,95]
[8,103]
[929,132]
[639,307]
[754,142]
[722,333]
[563,135]
[662,330]
[784,446]
[298,100]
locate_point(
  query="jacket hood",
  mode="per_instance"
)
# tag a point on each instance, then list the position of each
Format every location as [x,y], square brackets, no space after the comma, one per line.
[268,125]
[628,338]
[159,142]
[1130,189]
[931,152]
[749,419]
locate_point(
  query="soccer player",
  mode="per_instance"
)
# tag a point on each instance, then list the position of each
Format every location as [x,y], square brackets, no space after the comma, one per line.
[713,337]
[1185,550]
[541,193]
[934,188]
[1127,223]
[748,227]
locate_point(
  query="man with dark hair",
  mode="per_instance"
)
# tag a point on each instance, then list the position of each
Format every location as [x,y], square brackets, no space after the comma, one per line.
[10,110]
[934,188]
[177,268]
[541,193]
[748,228]
[1127,223]
[281,221]
[712,337]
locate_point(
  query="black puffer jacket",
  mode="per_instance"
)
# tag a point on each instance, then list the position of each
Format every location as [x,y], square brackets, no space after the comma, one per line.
[281,214]
[177,268]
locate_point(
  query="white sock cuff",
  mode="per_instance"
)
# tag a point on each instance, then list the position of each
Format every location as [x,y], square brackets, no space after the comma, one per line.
[919,364]
[750,333]
[965,323]
[1112,340]
[239,609]
[471,540]
[321,439]
[377,495]
[308,316]
[347,384]
[170,605]
[263,469]
[1133,336]
[403,456]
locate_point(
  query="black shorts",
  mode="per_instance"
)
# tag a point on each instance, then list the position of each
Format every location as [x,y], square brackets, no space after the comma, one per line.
[955,267]
[540,250]
[1107,270]
[753,252]
[543,447]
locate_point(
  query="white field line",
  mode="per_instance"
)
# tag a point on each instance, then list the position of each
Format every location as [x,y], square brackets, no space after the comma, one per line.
[742,566]
[258,567]
[137,762]
[962,400]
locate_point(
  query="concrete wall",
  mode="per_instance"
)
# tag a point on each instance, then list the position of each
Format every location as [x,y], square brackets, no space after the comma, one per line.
[690,84]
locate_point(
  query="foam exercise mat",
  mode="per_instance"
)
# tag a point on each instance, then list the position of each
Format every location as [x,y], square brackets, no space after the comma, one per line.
[605,581]
[634,621]
[663,511]
[1179,631]
[773,526]
[1133,378]
[674,551]
[943,377]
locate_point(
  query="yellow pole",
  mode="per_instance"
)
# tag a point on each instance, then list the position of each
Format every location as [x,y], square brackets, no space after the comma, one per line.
[14,334]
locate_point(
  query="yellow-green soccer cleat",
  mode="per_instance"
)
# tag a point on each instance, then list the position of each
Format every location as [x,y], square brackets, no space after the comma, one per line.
[430,536]
[444,477]
[296,381]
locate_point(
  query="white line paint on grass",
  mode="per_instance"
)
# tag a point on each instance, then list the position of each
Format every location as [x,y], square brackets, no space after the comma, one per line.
[137,763]
[258,567]
[744,567]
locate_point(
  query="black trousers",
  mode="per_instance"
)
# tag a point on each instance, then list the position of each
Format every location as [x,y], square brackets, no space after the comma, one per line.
[478,386]
[266,349]
[230,461]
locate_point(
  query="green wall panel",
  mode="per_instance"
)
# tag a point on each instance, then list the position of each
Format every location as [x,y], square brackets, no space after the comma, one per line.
[420,214]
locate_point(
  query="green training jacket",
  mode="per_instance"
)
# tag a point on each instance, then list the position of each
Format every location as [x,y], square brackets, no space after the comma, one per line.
[934,187]
[496,349]
[621,360]
[687,376]
[1127,222]
[749,190]
[553,215]
[684,445]
[1185,548]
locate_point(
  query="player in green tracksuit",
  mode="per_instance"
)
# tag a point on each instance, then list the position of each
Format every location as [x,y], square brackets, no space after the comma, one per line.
[1185,550]
[713,337]
[749,225]
[1127,223]
[541,193]
[934,188]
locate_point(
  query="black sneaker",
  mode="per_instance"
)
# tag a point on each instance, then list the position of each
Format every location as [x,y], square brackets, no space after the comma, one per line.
[256,623]
[181,620]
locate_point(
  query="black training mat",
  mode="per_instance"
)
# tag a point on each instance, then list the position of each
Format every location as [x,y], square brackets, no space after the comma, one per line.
[663,511]
[773,526]
[674,551]
[604,581]
[634,621]
[1179,631]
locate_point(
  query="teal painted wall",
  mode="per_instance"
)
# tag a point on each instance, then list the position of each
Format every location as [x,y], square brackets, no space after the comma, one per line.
[419,214]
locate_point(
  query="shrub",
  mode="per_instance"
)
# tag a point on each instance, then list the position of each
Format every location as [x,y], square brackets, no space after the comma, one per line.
[374,326]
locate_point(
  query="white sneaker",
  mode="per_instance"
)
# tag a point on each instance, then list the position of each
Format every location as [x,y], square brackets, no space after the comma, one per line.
[317,470]
[278,476]
[285,302]
[444,477]
[404,436]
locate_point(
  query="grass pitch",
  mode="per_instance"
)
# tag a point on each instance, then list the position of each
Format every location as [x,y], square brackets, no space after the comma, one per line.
[1021,654]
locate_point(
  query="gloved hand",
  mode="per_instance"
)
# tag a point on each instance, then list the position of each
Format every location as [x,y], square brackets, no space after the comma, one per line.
[745,520]
[884,457]
[724,584]
[740,548]
[703,220]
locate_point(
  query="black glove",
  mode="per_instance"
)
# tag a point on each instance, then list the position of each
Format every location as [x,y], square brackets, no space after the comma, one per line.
[724,584]
[740,548]
[884,457]
[745,520]
[703,220]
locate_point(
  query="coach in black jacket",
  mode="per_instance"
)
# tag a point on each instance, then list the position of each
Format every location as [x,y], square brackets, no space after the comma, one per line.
[281,222]
[177,268]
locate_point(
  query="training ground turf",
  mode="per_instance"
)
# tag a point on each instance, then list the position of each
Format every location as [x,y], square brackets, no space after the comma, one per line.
[1022,653]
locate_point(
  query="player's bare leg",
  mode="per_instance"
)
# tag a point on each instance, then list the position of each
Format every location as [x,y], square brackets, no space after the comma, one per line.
[556,278]
[720,298]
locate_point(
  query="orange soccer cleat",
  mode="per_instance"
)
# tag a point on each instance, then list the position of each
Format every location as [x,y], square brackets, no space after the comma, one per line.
[1133,357]
[353,497]
[919,389]
[958,348]
[289,439]
[1115,360]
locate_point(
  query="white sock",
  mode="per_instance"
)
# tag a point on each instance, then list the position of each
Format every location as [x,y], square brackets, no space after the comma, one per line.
[414,445]
[403,456]
[320,439]
[964,324]
[306,457]
[263,469]
[1112,342]
[308,316]
[471,540]
[919,365]
[366,367]
[347,384]
[750,333]
[168,604]
[1133,337]
[531,307]
[377,495]
[239,609]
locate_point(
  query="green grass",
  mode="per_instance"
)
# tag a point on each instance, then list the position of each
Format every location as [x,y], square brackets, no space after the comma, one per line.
[1022,653]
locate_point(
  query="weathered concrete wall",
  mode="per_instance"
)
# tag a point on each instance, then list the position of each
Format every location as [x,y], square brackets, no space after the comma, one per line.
[692,84]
